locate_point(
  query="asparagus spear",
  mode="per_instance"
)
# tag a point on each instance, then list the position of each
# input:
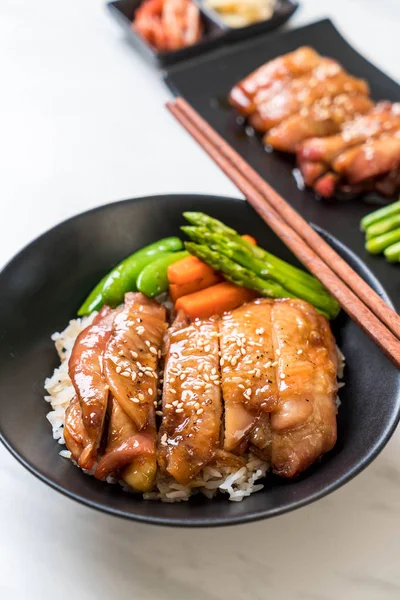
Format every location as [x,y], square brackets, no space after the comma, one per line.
[240,253]
[380,214]
[203,220]
[392,253]
[378,244]
[244,277]
[383,226]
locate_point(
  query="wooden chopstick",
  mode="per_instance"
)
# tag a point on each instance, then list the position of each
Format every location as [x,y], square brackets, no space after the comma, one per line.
[232,164]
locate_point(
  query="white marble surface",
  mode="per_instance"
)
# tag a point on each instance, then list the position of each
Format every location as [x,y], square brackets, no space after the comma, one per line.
[73,134]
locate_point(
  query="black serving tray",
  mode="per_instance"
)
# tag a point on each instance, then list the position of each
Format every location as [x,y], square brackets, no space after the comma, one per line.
[206,81]
[216,33]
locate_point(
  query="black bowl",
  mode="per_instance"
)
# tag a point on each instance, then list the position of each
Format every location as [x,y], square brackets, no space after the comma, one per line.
[41,289]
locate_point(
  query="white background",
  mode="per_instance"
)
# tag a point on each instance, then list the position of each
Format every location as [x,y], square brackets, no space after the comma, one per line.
[82,123]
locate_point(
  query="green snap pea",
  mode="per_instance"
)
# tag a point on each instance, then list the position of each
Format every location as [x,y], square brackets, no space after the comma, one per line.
[153,280]
[380,214]
[123,278]
[383,226]
[392,253]
[378,244]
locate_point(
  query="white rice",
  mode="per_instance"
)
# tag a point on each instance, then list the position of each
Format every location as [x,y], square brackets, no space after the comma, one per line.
[236,483]
[59,385]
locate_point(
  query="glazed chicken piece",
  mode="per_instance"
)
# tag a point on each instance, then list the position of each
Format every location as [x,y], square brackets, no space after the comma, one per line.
[304,425]
[384,117]
[326,81]
[289,66]
[130,367]
[374,158]
[85,371]
[323,118]
[311,171]
[326,185]
[248,374]
[129,450]
[75,434]
[189,436]
[131,356]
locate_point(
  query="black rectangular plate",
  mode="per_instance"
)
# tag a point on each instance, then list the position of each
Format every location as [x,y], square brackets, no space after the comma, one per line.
[206,81]
[216,34]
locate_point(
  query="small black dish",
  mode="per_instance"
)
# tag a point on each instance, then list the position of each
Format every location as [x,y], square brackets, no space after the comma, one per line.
[40,291]
[216,33]
[284,9]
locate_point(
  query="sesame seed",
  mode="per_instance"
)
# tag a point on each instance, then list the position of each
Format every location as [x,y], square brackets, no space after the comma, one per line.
[135,400]
[197,387]
[208,386]
[274,364]
[282,375]
[179,410]
[278,352]
[140,373]
[155,403]
[168,405]
[171,380]
[159,392]
[159,413]
[234,361]
[175,403]
[134,354]
[248,391]
[182,376]
[199,411]
[141,397]
[197,406]
[153,350]
[241,386]
[258,373]
[180,404]
[159,354]
[140,330]
[300,351]
[213,371]
[126,374]
[206,377]
[150,391]
[164,438]
[172,391]
[222,362]
[121,353]
[118,369]
[267,365]
[133,376]
[147,343]
[207,348]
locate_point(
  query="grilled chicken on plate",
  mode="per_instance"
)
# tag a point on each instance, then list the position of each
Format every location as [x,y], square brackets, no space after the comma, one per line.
[308,105]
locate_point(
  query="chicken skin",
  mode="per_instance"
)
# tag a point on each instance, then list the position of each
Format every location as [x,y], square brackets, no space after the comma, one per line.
[189,435]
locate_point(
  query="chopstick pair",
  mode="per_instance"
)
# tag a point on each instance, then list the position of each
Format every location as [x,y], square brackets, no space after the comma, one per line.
[355,296]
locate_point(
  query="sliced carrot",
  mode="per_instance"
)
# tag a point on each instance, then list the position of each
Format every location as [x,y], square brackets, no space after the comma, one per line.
[249,239]
[214,300]
[188,269]
[177,290]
